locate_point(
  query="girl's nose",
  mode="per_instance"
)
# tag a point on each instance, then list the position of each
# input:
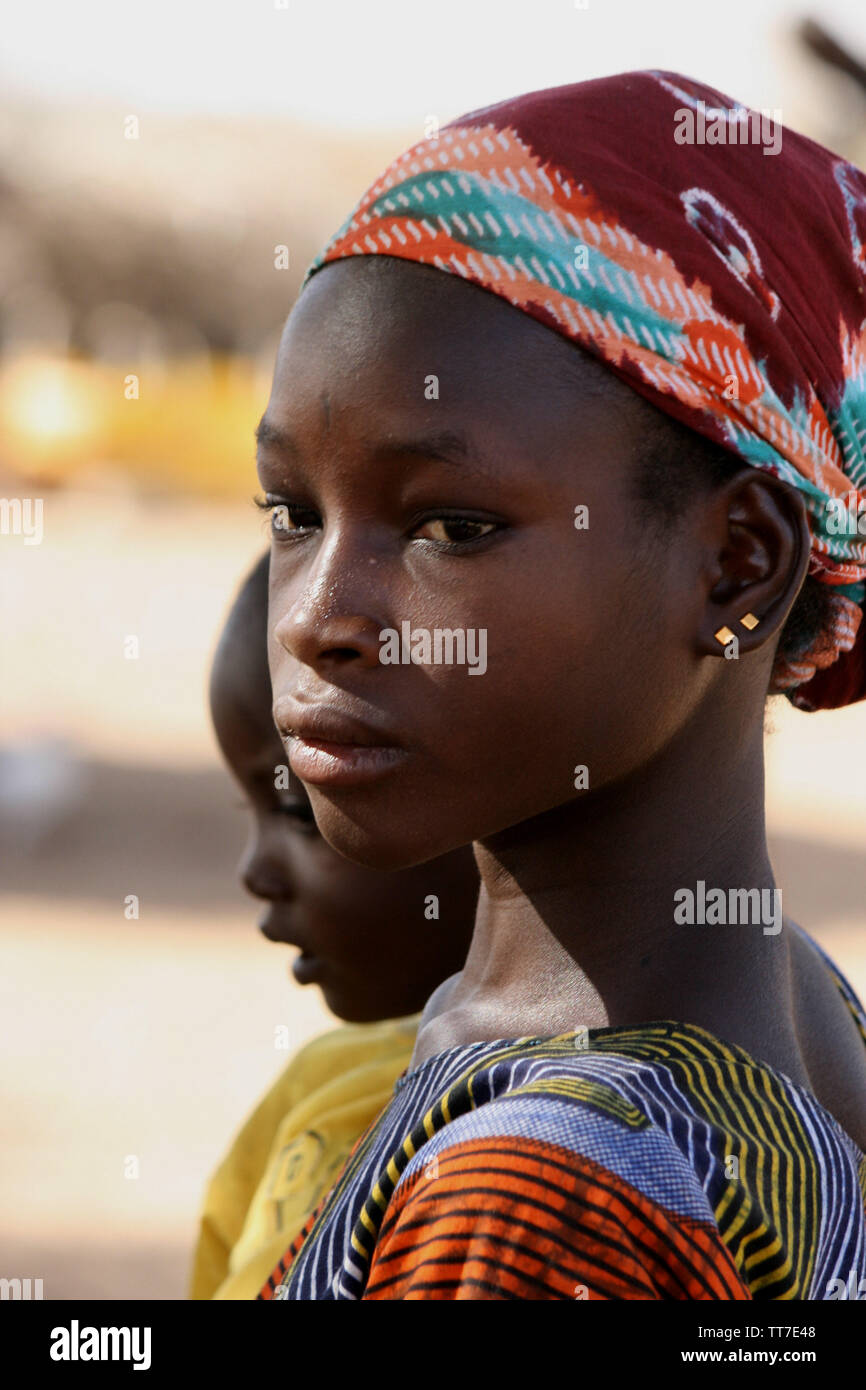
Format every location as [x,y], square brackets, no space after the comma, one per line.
[334,617]
[319,639]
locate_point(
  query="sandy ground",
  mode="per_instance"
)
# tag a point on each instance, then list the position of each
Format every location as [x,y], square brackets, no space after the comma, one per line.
[154,1037]
[148,1039]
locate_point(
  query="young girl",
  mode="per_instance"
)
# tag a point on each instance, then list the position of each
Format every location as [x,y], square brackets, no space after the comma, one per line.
[586,380]
[351,925]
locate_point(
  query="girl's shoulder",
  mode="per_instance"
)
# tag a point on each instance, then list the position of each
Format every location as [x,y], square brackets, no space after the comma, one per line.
[843,985]
[630,1162]
[658,1150]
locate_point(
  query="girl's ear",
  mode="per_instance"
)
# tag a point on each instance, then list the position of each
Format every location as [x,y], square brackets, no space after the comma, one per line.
[759,533]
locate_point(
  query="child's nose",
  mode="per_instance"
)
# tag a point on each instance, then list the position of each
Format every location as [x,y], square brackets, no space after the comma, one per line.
[266,876]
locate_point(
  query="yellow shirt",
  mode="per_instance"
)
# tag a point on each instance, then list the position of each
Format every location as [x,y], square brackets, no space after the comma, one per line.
[287,1155]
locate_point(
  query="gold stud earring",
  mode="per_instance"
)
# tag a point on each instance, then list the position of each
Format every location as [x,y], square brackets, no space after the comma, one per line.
[750,621]
[723,636]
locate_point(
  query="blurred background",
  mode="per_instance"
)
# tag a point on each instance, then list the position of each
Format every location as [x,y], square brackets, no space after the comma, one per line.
[152,162]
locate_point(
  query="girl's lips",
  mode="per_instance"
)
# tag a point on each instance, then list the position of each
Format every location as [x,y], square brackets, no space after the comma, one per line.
[324,763]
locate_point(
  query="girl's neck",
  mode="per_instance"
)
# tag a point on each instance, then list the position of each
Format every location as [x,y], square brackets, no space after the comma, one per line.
[577,915]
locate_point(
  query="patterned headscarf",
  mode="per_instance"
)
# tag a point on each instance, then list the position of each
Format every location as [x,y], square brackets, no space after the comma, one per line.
[712,259]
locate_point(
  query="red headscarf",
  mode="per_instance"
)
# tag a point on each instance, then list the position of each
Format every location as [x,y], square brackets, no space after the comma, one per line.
[713,259]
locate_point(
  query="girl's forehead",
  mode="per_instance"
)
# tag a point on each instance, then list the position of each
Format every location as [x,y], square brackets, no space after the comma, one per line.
[408,304]
[420,334]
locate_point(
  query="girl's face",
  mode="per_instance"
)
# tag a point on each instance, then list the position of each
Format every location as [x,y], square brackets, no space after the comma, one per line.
[426,447]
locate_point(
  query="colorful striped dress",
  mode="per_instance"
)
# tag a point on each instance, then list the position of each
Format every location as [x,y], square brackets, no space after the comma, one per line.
[645,1162]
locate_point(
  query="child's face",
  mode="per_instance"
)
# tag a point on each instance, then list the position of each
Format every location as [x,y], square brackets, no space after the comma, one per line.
[363,934]
[590,656]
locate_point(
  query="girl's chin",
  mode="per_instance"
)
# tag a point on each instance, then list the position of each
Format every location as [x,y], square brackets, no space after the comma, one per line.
[376,848]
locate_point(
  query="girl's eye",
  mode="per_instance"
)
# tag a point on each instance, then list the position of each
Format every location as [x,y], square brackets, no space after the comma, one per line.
[454,530]
[288,519]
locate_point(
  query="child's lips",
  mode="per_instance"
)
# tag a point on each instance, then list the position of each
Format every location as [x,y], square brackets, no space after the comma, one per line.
[273,928]
[307,969]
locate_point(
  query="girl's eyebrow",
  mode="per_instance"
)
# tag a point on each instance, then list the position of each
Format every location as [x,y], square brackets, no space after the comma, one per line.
[446,446]
[451,447]
[268,433]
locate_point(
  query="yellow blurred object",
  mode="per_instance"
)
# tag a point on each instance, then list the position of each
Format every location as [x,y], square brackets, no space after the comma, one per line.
[290,1151]
[178,426]
[50,410]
